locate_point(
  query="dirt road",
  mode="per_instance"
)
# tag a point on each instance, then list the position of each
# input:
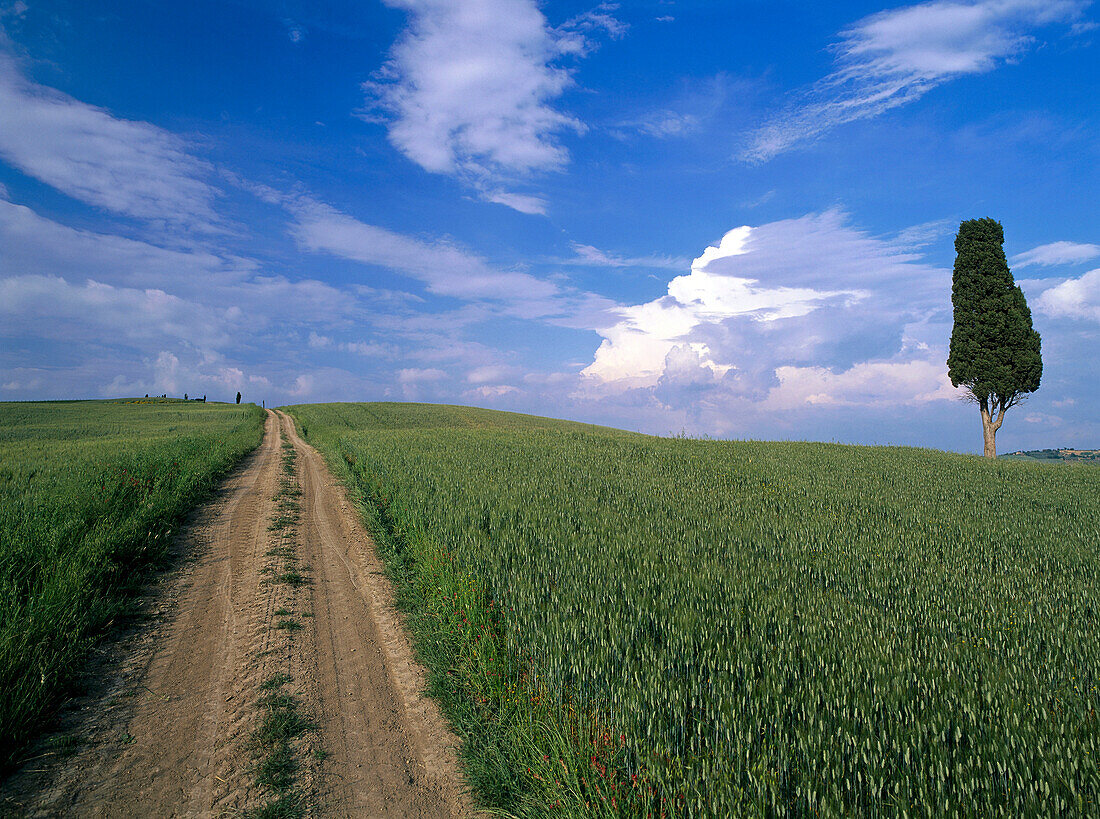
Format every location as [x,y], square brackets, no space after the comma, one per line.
[280,592]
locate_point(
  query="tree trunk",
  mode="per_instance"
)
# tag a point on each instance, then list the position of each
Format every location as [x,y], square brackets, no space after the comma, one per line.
[989,430]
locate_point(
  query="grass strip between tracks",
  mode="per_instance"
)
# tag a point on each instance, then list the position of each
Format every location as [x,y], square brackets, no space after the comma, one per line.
[275,743]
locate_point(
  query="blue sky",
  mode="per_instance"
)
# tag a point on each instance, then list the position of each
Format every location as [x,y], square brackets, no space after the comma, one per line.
[733,219]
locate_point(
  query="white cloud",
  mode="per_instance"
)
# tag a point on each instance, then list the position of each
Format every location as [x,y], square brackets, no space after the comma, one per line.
[469,89]
[38,305]
[924,234]
[589,256]
[866,384]
[488,392]
[490,373]
[524,203]
[33,244]
[446,268]
[363,348]
[635,350]
[1057,253]
[1074,298]
[366,348]
[896,56]
[128,167]
[788,313]
[415,375]
[667,124]
[142,295]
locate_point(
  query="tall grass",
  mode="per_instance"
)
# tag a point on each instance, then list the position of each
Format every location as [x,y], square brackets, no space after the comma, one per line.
[89,494]
[623,625]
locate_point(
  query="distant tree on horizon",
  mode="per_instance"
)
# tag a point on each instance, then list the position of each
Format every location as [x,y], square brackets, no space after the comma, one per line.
[995,352]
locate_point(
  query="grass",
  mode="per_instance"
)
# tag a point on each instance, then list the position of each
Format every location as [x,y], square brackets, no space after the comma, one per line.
[623,625]
[90,493]
[275,750]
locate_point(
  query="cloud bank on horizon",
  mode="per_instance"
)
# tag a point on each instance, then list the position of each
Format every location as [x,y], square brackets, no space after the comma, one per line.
[500,221]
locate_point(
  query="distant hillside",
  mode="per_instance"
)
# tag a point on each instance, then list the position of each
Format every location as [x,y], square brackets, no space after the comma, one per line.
[1066,455]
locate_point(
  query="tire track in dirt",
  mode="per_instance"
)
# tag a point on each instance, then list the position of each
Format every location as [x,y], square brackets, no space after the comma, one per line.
[166,731]
[389,751]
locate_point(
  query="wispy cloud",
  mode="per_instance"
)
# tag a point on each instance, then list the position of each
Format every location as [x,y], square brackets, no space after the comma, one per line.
[34,244]
[664,124]
[524,203]
[67,283]
[589,256]
[1057,253]
[469,90]
[127,167]
[446,269]
[93,312]
[895,57]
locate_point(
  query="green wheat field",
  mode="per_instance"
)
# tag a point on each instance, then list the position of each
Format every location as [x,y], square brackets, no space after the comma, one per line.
[623,625]
[626,625]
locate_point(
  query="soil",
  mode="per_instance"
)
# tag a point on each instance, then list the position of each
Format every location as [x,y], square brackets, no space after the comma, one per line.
[165,725]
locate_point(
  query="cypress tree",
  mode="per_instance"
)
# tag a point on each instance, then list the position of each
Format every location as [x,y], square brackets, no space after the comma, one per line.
[994,351]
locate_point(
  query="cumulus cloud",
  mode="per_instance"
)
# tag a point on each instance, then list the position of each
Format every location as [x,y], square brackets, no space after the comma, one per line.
[786,314]
[470,89]
[1074,298]
[635,350]
[896,56]
[1057,253]
[127,167]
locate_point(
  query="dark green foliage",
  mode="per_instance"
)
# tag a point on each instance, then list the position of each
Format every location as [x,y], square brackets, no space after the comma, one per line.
[994,349]
[89,494]
[624,625]
[1086,456]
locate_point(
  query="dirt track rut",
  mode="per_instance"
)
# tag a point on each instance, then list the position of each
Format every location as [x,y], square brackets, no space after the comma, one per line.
[165,730]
